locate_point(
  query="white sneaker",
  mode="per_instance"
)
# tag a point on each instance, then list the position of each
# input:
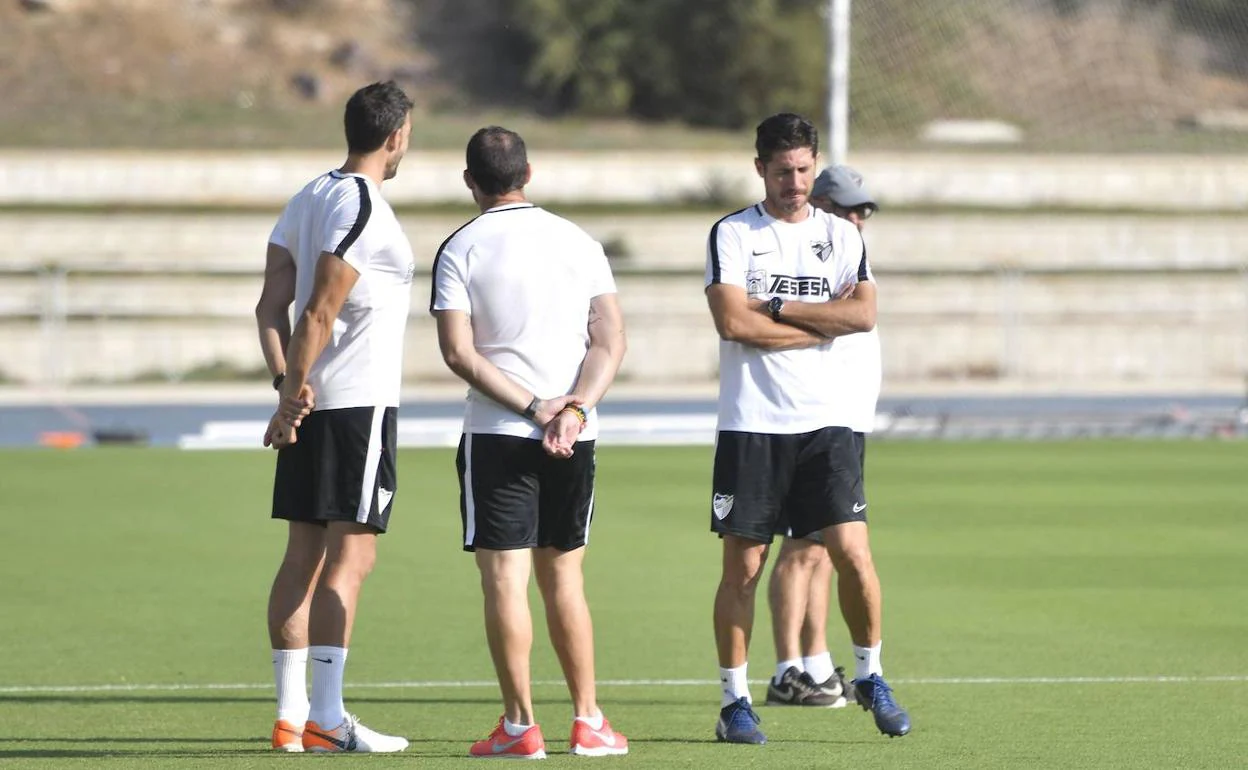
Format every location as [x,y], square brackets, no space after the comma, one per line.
[350,736]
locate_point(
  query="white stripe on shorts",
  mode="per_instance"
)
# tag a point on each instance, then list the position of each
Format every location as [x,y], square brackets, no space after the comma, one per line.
[368,486]
[470,508]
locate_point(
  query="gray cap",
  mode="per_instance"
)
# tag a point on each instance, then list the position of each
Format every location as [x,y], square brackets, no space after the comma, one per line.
[843,186]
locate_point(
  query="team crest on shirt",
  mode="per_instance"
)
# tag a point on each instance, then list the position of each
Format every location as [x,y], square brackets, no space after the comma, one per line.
[721,505]
[756,282]
[822,249]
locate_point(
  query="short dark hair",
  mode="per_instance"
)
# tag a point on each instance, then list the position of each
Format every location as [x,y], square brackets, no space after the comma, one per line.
[785,131]
[497,160]
[374,113]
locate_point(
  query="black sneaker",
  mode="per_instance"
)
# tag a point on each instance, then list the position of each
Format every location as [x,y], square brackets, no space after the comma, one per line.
[836,687]
[876,696]
[796,688]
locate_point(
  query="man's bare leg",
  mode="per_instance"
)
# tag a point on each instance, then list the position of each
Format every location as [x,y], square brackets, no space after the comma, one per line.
[350,552]
[562,583]
[509,627]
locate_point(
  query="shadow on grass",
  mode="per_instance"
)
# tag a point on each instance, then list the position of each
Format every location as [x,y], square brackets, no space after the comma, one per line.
[441,700]
[167,754]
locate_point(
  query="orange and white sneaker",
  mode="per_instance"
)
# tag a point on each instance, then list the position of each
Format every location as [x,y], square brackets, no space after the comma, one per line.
[588,742]
[529,745]
[350,736]
[287,736]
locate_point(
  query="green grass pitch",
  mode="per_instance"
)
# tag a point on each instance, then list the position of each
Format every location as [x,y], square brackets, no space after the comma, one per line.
[1115,563]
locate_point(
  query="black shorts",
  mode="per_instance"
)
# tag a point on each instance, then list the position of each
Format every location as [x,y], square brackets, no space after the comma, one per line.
[807,481]
[342,468]
[514,495]
[782,526]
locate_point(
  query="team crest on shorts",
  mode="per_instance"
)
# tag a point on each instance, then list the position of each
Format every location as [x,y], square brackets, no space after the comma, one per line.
[822,249]
[721,505]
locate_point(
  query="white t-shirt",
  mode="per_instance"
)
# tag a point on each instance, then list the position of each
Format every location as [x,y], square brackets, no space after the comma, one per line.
[787,391]
[526,278]
[859,355]
[345,215]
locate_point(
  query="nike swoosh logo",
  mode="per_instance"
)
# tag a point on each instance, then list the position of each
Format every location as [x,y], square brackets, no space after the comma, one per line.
[347,745]
[499,748]
[761,253]
[323,660]
[860,507]
[787,694]
[608,740]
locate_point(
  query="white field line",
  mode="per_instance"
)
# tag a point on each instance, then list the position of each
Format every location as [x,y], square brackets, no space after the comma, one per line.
[93,688]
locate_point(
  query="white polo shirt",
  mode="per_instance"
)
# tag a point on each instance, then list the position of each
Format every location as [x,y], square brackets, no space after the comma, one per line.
[345,215]
[526,278]
[788,391]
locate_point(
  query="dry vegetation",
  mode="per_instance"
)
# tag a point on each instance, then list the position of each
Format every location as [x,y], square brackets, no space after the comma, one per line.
[252,73]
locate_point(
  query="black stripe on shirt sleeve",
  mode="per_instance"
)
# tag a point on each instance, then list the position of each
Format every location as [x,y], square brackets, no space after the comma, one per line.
[713,245]
[361,219]
[433,284]
[863,273]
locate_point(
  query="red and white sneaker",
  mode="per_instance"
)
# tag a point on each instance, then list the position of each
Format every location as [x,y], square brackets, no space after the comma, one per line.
[588,742]
[529,745]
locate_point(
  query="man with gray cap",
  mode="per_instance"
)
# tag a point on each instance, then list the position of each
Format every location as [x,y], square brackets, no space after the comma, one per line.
[799,589]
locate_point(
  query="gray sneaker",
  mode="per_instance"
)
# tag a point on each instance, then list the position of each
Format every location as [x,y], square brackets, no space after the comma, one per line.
[796,688]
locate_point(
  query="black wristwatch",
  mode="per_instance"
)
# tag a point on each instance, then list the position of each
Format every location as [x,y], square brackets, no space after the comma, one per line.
[774,306]
[278,380]
[530,411]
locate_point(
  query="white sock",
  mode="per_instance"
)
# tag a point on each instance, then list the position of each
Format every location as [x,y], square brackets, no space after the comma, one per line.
[594,722]
[326,707]
[785,665]
[819,666]
[290,673]
[734,685]
[867,661]
[513,729]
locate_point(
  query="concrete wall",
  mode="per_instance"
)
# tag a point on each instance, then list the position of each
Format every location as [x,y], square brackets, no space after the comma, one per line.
[1181,182]
[236,241]
[1059,331]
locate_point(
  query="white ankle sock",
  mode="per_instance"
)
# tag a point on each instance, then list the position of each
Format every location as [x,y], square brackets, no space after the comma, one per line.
[785,665]
[594,722]
[734,685]
[326,708]
[513,729]
[819,667]
[867,661]
[290,673]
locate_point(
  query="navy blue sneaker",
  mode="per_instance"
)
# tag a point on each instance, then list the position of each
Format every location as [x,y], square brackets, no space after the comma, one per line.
[876,696]
[739,724]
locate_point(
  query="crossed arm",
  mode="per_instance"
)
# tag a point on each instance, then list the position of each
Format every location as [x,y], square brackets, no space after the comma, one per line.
[802,324]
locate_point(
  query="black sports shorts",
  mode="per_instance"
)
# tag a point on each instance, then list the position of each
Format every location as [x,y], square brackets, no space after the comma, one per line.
[342,468]
[764,482]
[514,495]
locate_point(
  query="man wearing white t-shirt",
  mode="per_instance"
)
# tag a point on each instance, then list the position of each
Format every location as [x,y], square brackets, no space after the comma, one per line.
[527,315]
[339,254]
[798,590]
[785,280]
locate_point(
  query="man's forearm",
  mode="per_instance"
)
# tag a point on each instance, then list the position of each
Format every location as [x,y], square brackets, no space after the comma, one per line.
[759,331]
[274,340]
[834,318]
[598,371]
[309,339]
[476,370]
